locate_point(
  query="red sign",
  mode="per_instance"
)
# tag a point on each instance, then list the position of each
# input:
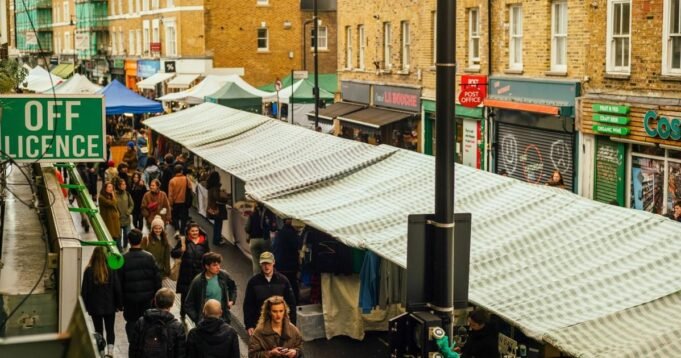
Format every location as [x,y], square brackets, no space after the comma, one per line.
[155,47]
[473,90]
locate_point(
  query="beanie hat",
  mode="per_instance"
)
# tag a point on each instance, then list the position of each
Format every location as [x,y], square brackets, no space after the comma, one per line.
[131,144]
[158,221]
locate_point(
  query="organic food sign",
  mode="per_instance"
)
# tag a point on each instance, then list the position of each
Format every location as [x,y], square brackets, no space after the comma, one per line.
[69,128]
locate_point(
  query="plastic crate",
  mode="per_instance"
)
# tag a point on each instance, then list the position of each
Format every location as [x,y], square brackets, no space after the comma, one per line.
[310,322]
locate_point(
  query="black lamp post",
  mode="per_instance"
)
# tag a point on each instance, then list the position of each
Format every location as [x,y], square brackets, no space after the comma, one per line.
[315,18]
[75,52]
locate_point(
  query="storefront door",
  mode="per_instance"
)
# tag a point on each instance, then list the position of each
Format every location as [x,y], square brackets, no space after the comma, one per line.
[655,179]
[531,154]
[609,168]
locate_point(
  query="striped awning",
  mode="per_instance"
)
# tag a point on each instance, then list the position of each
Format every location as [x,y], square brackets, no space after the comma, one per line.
[153,80]
[592,279]
[183,81]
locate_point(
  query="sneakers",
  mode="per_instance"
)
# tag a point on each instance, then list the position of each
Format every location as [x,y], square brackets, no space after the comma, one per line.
[109,351]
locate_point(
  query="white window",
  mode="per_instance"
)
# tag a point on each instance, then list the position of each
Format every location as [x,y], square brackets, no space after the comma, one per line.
[618,51]
[434,17]
[131,6]
[145,5]
[57,14]
[515,48]
[154,4]
[120,7]
[171,38]
[114,48]
[138,41]
[405,45]
[131,42]
[263,39]
[113,8]
[67,40]
[120,41]
[155,31]
[559,26]
[361,41]
[671,38]
[57,44]
[348,47]
[67,12]
[138,6]
[474,37]
[323,38]
[170,3]
[387,53]
[146,38]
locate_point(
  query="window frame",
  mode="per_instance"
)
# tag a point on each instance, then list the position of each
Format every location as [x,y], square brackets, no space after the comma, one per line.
[387,46]
[514,48]
[66,12]
[266,38]
[405,46]
[611,67]
[361,43]
[146,38]
[434,29]
[348,47]
[555,36]
[138,42]
[131,42]
[323,39]
[473,37]
[67,41]
[667,46]
[170,41]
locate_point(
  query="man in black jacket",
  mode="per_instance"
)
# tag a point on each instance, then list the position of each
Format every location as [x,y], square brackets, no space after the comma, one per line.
[483,338]
[140,279]
[158,333]
[213,283]
[286,249]
[262,286]
[212,337]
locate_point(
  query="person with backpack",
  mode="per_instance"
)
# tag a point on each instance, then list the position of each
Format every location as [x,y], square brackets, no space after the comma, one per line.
[213,283]
[212,337]
[158,333]
[140,279]
[180,196]
[151,172]
[168,170]
[101,292]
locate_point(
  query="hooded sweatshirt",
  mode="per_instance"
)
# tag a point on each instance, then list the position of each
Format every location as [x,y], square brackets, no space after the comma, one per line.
[212,337]
[176,336]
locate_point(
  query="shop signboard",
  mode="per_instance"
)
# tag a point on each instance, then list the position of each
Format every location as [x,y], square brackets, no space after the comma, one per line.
[473,90]
[82,41]
[472,135]
[147,68]
[38,128]
[561,93]
[169,67]
[155,47]
[666,128]
[610,108]
[608,118]
[355,92]
[404,98]
[118,63]
[606,129]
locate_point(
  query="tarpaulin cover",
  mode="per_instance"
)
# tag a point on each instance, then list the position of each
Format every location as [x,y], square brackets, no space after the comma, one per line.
[119,99]
[77,84]
[39,80]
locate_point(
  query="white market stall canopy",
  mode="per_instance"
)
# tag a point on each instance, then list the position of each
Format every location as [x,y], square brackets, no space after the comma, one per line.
[156,78]
[39,80]
[77,84]
[592,279]
[196,94]
[183,81]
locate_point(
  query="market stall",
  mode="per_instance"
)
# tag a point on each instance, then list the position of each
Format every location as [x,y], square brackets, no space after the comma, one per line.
[119,99]
[239,94]
[39,80]
[78,84]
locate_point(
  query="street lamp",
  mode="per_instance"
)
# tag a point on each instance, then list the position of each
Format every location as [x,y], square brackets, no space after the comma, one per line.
[75,53]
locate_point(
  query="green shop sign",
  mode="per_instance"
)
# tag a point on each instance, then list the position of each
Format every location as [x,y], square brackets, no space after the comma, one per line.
[38,127]
[666,128]
[607,118]
[610,108]
[606,129]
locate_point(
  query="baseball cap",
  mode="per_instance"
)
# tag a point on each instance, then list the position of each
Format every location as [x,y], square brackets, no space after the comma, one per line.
[267,257]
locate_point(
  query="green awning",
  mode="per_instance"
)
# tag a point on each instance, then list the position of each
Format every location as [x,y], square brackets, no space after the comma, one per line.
[63,70]
[327,82]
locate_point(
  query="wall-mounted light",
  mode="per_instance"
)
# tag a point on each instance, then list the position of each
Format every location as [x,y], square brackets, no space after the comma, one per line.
[287,24]
[290,54]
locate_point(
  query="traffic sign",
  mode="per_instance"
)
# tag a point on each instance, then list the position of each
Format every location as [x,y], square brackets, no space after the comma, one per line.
[38,127]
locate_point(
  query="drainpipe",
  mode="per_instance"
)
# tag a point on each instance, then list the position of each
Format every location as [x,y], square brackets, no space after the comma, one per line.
[304,44]
[488,130]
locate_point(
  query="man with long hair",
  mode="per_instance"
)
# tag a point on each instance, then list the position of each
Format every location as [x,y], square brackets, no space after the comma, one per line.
[275,335]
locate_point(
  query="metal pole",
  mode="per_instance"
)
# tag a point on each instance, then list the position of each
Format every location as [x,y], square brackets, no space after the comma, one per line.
[443,242]
[291,100]
[316,67]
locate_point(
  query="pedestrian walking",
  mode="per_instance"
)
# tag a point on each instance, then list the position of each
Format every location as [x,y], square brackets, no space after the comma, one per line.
[108,210]
[275,335]
[93,178]
[125,206]
[178,188]
[212,337]
[142,149]
[101,292]
[168,171]
[158,333]
[111,172]
[124,172]
[155,202]
[286,248]
[258,227]
[151,172]
[156,243]
[263,285]
[213,283]
[130,156]
[190,250]
[137,190]
[140,279]
[215,207]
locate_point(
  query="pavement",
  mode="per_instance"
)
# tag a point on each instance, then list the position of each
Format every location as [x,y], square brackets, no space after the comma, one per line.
[239,268]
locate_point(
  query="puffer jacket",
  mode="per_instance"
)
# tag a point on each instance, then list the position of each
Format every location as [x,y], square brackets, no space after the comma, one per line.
[175,334]
[212,337]
[140,278]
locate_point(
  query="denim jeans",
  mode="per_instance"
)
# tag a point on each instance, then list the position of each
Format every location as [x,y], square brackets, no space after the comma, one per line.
[125,229]
[217,231]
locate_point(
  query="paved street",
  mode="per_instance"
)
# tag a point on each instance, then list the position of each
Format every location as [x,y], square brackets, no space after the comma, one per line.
[239,267]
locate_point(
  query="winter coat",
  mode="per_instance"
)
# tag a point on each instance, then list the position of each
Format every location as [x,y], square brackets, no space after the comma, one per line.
[213,338]
[258,290]
[177,189]
[285,249]
[101,300]
[150,173]
[108,209]
[196,295]
[159,201]
[160,251]
[217,200]
[175,333]
[264,339]
[191,261]
[110,175]
[483,343]
[130,158]
[137,192]
[139,277]
[125,206]
[168,172]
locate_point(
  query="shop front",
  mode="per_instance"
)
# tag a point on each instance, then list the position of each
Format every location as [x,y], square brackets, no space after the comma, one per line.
[393,117]
[131,74]
[118,69]
[470,127]
[533,128]
[636,150]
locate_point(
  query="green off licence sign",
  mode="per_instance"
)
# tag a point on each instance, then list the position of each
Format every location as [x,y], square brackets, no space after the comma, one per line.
[69,128]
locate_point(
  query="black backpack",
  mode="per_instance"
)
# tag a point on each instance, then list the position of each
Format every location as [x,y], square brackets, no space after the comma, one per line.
[156,341]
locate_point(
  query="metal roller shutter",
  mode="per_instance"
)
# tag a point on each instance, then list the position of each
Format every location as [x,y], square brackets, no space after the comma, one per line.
[531,154]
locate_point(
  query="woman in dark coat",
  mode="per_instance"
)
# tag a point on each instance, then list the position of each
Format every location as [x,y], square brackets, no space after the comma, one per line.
[108,209]
[190,249]
[216,203]
[137,190]
[101,291]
